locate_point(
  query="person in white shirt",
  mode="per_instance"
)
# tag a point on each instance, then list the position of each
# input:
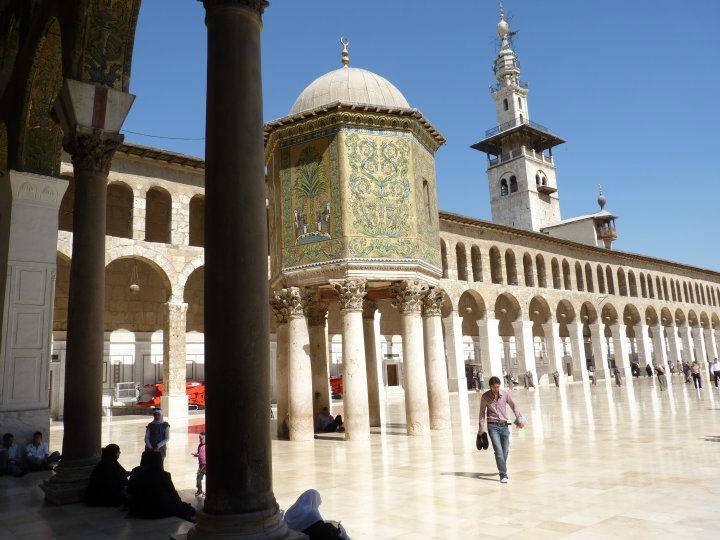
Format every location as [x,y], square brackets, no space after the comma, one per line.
[38,455]
[10,456]
[715,370]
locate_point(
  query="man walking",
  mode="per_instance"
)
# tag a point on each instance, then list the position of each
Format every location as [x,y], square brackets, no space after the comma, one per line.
[493,404]
[715,370]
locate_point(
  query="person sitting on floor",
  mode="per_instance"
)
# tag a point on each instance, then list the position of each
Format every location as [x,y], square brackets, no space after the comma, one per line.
[38,455]
[108,480]
[325,423]
[304,516]
[10,456]
[151,492]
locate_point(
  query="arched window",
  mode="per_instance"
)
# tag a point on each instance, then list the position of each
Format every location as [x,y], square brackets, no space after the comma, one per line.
[528,270]
[537,179]
[610,280]
[622,284]
[589,278]
[461,261]
[503,187]
[540,269]
[555,269]
[651,288]
[443,257]
[158,206]
[505,104]
[119,207]
[658,287]
[600,279]
[495,265]
[511,268]
[685,290]
[519,103]
[522,119]
[567,279]
[579,280]
[513,184]
[666,293]
[197,221]
[643,285]
[632,284]
[476,260]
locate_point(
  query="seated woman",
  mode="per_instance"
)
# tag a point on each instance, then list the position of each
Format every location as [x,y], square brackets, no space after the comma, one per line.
[108,480]
[304,517]
[325,423]
[151,492]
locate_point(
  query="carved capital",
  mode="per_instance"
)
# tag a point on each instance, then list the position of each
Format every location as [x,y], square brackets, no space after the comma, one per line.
[408,296]
[289,303]
[351,293]
[369,309]
[316,312]
[432,302]
[92,153]
[258,6]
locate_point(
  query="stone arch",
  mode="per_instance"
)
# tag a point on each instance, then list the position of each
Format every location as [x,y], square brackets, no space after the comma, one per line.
[692,319]
[622,283]
[471,308]
[511,267]
[119,210]
[194,296]
[528,273]
[197,222]
[540,270]
[589,285]
[715,321]
[631,315]
[476,262]
[680,317]
[158,209]
[588,313]
[600,279]
[609,280]
[443,256]
[188,269]
[567,279]
[154,258]
[461,261]
[666,317]
[651,316]
[564,313]
[507,311]
[609,314]
[704,320]
[495,265]
[579,278]
[632,284]
[539,313]
[555,269]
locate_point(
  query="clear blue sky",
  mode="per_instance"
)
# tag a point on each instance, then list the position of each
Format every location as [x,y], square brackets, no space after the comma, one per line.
[631,86]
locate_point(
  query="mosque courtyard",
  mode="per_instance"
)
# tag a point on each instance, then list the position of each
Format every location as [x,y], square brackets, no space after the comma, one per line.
[594,462]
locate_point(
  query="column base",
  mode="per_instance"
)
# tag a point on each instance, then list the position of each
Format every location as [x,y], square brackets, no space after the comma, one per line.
[68,483]
[174,408]
[264,525]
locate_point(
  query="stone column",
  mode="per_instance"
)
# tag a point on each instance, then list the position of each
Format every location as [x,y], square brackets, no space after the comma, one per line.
[240,501]
[371,361]
[174,401]
[716,337]
[599,349]
[674,345]
[577,343]
[699,342]
[438,398]
[526,348]
[299,372]
[642,341]
[554,349]
[710,346]
[457,381]
[180,220]
[658,338]
[490,347]
[317,328]
[28,239]
[356,414]
[622,357]
[408,297]
[139,214]
[687,343]
[281,315]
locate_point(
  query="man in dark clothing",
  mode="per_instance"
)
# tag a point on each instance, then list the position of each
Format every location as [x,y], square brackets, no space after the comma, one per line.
[325,423]
[151,492]
[649,370]
[108,480]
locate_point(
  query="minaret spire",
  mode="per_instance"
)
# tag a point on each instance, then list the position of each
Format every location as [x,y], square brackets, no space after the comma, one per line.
[345,54]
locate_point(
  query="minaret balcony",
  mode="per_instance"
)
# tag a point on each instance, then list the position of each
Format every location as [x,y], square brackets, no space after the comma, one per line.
[515,122]
[522,151]
[546,190]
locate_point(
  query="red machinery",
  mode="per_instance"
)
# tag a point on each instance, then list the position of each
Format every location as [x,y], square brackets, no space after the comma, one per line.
[336,385]
[195,391]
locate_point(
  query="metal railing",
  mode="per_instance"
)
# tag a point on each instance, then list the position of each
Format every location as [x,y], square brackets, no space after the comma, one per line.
[517,152]
[497,86]
[514,123]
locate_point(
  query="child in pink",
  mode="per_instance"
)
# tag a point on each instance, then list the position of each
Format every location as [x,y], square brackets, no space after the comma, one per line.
[202,465]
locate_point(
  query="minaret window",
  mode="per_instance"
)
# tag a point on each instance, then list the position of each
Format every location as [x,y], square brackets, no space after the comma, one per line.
[513,184]
[537,179]
[503,187]
[522,120]
[520,103]
[505,104]
[426,197]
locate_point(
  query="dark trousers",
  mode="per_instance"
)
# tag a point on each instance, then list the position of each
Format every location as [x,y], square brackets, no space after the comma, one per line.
[697,381]
[199,478]
[333,426]
[36,465]
[716,375]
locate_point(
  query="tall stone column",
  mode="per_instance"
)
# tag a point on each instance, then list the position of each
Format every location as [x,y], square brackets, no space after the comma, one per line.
[699,342]
[317,328]
[599,349]
[139,214]
[622,356]
[526,348]
[457,380]
[438,398]
[687,343]
[240,502]
[577,343]
[356,415]
[371,361]
[554,349]
[490,346]
[642,340]
[716,337]
[299,372]
[281,315]
[710,345]
[674,346]
[408,297]
[174,401]
[658,338]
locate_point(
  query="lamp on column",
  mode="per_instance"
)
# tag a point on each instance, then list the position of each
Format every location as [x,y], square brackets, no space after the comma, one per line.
[134,279]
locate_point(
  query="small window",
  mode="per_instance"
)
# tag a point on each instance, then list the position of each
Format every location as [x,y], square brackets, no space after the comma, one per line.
[513,184]
[520,103]
[503,187]
[537,179]
[522,120]
[505,104]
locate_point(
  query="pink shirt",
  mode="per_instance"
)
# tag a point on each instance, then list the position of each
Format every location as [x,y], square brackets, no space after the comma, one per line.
[201,456]
[496,409]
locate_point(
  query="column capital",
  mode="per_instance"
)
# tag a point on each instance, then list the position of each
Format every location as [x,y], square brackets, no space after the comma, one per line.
[316,312]
[351,293]
[258,6]
[408,296]
[91,152]
[289,303]
[369,309]
[432,302]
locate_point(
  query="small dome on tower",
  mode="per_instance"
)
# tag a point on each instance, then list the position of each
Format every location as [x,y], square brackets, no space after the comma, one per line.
[503,28]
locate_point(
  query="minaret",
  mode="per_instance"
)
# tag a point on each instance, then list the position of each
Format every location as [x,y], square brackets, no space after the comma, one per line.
[521,176]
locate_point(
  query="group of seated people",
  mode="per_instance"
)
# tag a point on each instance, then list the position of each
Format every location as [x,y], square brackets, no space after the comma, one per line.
[36,457]
[147,491]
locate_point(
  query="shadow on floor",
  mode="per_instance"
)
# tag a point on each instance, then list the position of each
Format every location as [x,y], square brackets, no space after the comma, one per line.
[712,438]
[492,477]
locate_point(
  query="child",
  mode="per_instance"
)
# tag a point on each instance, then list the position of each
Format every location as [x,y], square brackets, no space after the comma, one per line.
[202,465]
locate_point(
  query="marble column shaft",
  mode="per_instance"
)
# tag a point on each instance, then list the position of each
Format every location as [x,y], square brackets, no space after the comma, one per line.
[658,339]
[317,329]
[371,361]
[554,349]
[699,343]
[710,345]
[299,371]
[600,350]
[622,357]
[526,348]
[281,366]
[435,369]
[457,380]
[642,342]
[356,415]
[577,343]
[490,348]
[687,344]
[174,400]
[408,296]
[674,346]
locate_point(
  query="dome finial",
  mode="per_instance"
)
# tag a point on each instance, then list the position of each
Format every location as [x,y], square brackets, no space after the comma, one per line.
[345,54]
[503,28]
[601,198]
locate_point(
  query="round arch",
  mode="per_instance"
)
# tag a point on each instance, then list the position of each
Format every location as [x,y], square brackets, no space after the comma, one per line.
[194,296]
[155,259]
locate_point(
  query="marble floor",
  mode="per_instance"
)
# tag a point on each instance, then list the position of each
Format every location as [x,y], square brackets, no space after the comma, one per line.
[594,462]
